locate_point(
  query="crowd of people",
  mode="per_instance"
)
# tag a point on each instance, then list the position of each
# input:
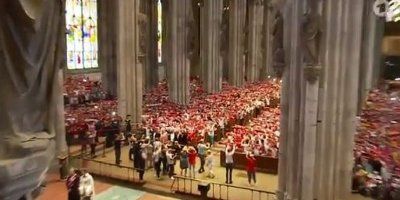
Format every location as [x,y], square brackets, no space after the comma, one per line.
[260,136]
[206,117]
[206,112]
[80,185]
[80,89]
[377,145]
[170,133]
[164,156]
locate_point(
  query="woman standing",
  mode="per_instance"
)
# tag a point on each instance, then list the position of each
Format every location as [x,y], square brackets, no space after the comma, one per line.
[192,154]
[73,185]
[184,162]
[251,167]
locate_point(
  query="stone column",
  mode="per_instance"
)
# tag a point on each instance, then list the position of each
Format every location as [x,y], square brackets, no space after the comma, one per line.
[266,46]
[164,43]
[153,48]
[178,42]
[237,19]
[371,51]
[255,56]
[210,54]
[130,69]
[318,117]
[224,39]
[107,39]
[354,13]
[291,16]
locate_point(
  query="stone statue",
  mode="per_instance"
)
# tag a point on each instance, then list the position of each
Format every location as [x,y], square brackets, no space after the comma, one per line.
[277,45]
[311,41]
[32,50]
[191,38]
[224,32]
[143,32]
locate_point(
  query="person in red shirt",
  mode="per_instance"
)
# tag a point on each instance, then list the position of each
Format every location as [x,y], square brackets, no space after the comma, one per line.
[192,154]
[251,167]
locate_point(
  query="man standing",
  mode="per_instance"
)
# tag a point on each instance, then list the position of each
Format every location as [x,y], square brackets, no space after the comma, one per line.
[201,149]
[128,127]
[117,146]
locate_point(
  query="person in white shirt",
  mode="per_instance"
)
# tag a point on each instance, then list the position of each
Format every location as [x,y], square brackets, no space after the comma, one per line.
[171,163]
[157,143]
[229,152]
[221,123]
[86,186]
[157,160]
[210,164]
[211,133]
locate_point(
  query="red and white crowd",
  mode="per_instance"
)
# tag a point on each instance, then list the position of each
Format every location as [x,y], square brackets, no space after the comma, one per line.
[260,136]
[204,117]
[377,145]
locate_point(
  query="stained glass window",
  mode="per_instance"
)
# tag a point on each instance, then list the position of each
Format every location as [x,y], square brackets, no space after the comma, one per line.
[159,31]
[81,21]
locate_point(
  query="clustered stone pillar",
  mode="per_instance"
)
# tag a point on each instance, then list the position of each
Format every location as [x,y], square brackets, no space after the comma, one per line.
[371,51]
[210,54]
[129,67]
[269,12]
[178,63]
[319,98]
[107,44]
[153,52]
[237,19]
[255,56]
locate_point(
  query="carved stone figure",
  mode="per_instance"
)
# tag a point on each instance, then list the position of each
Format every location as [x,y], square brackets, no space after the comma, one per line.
[191,38]
[32,49]
[224,31]
[277,45]
[311,41]
[142,25]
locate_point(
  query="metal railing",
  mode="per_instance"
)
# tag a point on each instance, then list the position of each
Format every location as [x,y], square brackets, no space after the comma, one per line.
[219,190]
[109,170]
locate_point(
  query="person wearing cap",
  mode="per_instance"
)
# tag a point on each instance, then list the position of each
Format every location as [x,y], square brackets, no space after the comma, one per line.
[251,167]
